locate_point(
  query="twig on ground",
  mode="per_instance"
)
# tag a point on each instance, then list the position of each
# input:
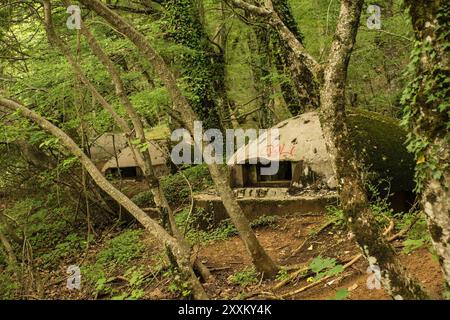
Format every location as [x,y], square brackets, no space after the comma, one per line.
[389,228]
[291,277]
[314,233]
[218,269]
[267,295]
[297,291]
[404,231]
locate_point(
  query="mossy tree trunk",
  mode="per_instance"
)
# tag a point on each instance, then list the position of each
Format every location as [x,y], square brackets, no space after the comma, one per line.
[301,93]
[203,66]
[427,105]
[259,45]
[351,188]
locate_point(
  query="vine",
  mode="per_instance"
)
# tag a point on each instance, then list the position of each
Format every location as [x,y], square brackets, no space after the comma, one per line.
[283,8]
[426,102]
[184,27]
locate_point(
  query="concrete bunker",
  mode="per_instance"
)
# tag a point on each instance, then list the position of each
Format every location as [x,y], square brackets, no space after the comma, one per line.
[115,158]
[300,151]
[305,182]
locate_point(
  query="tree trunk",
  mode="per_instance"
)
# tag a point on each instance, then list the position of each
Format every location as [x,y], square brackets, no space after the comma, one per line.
[184,111]
[273,18]
[12,260]
[203,74]
[259,45]
[351,187]
[427,101]
[220,58]
[289,53]
[183,257]
[302,93]
[261,260]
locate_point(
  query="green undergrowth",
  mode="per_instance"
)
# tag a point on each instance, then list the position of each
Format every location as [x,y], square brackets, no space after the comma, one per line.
[206,232]
[414,220]
[177,189]
[245,277]
[113,262]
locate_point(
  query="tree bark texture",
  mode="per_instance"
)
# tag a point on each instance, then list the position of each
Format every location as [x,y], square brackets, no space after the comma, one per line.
[349,174]
[427,106]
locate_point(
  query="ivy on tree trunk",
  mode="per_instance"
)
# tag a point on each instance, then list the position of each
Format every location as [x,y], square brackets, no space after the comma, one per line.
[426,114]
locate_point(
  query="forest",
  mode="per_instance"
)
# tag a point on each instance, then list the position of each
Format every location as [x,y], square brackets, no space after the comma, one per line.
[224,150]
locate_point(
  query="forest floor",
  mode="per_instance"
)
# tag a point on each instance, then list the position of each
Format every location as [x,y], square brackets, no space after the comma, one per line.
[228,260]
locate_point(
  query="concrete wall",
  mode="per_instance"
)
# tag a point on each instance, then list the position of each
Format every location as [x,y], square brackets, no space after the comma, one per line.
[256,207]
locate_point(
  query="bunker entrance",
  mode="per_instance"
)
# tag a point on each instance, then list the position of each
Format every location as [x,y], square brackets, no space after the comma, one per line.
[254,176]
[126,172]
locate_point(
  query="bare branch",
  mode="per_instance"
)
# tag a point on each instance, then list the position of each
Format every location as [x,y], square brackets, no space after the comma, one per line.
[274,20]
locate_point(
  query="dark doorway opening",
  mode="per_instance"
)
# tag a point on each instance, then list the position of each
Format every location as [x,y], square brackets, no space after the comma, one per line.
[254,178]
[284,173]
[127,172]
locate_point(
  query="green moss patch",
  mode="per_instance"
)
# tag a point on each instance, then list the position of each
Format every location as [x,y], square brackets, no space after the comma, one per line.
[380,143]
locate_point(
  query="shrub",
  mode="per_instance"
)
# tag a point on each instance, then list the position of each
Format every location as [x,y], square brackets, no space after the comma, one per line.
[223,231]
[176,188]
[8,285]
[118,253]
[418,236]
[46,224]
[71,244]
[144,199]
[244,278]
[122,249]
[264,221]
[324,267]
[93,273]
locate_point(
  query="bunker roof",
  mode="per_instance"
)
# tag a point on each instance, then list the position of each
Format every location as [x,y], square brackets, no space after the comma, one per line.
[379,143]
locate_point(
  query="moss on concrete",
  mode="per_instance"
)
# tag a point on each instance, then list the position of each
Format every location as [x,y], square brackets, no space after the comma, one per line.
[380,143]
